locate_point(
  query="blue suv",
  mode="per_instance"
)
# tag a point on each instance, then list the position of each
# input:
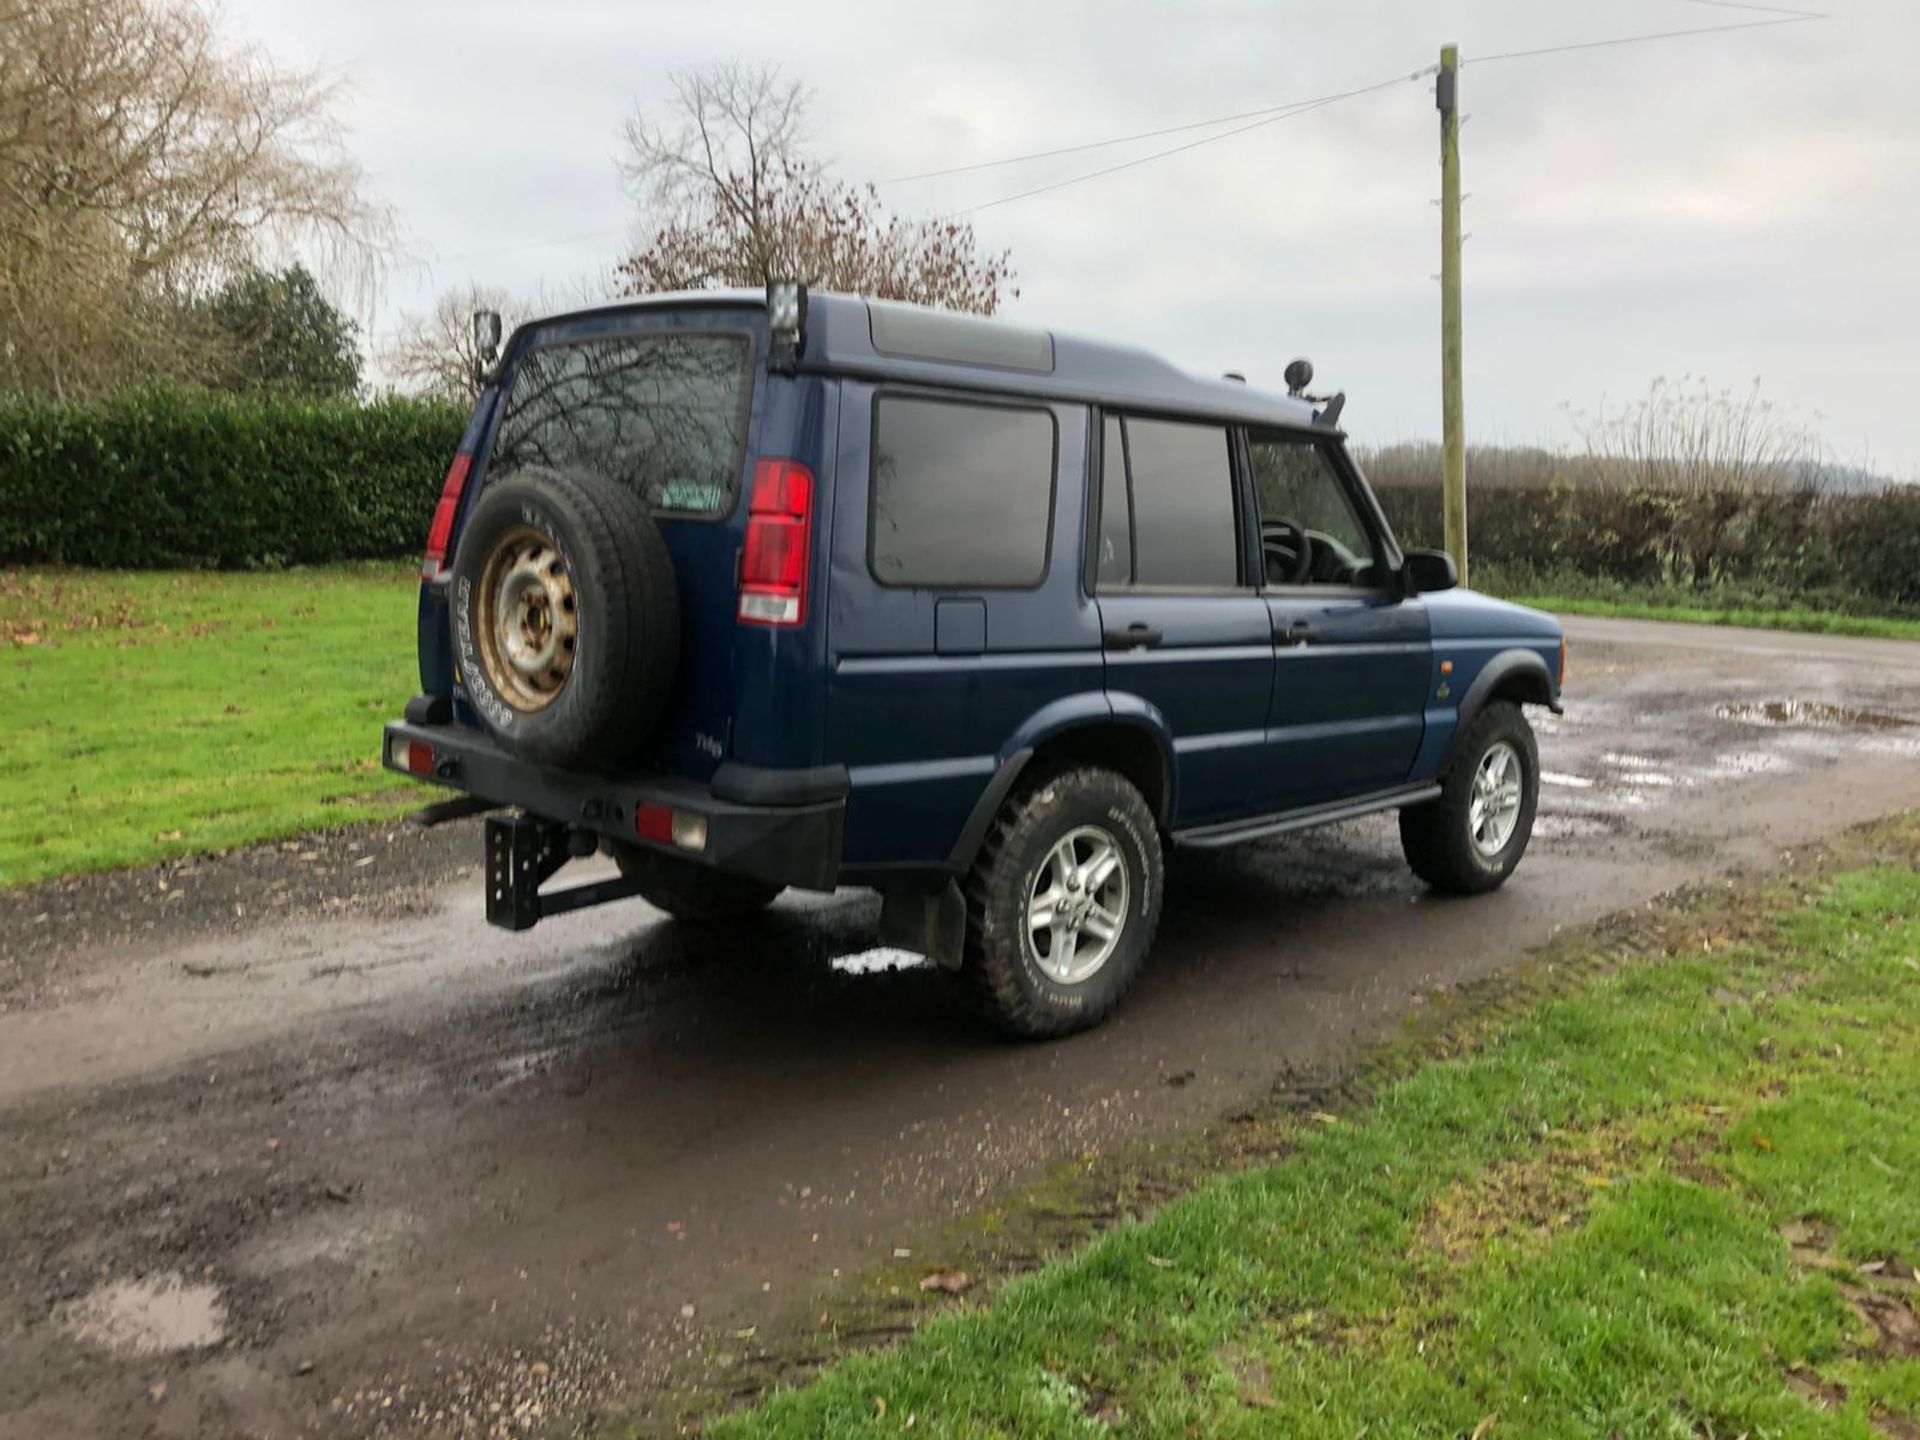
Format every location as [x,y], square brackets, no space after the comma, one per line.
[755,590]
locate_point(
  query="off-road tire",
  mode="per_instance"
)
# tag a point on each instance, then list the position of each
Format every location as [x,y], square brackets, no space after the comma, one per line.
[691,892]
[999,962]
[1437,836]
[627,611]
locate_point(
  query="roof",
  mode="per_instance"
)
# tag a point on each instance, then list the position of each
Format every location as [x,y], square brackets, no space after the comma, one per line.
[939,347]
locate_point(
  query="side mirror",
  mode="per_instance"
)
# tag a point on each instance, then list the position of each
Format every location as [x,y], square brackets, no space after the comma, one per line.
[486,343]
[1429,570]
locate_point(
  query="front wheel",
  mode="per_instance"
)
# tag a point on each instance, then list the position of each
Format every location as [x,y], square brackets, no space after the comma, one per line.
[1468,841]
[1062,903]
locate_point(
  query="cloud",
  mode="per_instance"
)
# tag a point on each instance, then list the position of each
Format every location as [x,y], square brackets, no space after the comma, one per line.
[1731,205]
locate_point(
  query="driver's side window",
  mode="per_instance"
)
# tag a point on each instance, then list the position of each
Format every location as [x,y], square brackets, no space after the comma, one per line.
[1310,532]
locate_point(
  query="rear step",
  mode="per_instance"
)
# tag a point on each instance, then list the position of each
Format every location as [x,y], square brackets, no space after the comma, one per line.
[523,852]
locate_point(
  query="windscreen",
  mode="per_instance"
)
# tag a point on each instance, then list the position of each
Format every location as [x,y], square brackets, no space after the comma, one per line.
[665,414]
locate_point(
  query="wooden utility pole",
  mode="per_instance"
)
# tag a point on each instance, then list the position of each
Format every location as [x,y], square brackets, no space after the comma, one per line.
[1453,446]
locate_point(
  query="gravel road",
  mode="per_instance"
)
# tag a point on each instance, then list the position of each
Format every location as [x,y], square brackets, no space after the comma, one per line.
[294,1144]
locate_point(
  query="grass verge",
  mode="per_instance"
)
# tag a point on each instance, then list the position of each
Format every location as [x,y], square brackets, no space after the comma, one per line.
[1671,1187]
[1752,605]
[1819,622]
[155,715]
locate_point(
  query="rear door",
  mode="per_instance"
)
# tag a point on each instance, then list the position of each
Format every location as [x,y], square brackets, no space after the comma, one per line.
[956,610]
[1186,634]
[664,401]
[1352,661]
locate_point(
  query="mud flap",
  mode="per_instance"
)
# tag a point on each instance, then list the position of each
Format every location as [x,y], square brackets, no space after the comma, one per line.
[928,919]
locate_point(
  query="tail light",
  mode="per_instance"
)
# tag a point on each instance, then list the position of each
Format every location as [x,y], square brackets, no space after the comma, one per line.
[664,825]
[440,535]
[774,569]
[411,756]
[1561,683]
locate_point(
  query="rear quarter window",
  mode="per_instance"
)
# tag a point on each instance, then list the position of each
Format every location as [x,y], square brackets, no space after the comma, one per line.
[962,493]
[664,414]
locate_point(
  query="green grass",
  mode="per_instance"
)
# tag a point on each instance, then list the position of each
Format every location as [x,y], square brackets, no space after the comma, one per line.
[154,715]
[1664,1203]
[1755,605]
[1821,622]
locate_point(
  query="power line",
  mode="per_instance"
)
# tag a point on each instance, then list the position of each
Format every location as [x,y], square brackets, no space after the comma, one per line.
[1797,18]
[1300,108]
[1764,9]
[1265,110]
[1268,115]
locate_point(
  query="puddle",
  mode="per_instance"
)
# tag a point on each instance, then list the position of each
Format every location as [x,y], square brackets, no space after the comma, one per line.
[879,962]
[1565,782]
[1570,827]
[1629,762]
[150,1316]
[1751,762]
[1653,778]
[1809,715]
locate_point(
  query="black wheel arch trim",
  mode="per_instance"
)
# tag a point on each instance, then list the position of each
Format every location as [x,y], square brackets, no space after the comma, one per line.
[974,833]
[1503,667]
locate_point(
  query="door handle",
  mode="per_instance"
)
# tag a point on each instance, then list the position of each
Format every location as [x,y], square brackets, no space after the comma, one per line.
[1298,633]
[1136,636]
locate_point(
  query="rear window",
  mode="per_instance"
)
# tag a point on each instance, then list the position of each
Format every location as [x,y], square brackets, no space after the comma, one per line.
[665,415]
[962,494]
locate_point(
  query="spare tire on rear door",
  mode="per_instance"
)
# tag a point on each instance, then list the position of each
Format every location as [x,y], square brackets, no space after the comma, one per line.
[566,619]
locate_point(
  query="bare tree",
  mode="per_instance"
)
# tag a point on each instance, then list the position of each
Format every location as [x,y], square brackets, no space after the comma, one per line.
[731,196]
[141,163]
[434,353]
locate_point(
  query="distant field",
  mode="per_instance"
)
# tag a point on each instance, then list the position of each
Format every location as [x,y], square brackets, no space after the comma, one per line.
[153,715]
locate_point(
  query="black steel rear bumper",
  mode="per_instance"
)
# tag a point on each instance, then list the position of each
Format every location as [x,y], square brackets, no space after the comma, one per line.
[784,843]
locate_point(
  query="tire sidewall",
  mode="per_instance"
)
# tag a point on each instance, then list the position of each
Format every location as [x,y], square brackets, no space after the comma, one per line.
[1504,724]
[1116,809]
[511,506]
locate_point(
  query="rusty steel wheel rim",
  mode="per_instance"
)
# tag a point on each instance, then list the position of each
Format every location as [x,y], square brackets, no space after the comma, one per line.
[529,619]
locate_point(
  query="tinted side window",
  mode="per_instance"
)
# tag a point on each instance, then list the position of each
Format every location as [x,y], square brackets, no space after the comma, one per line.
[1113,560]
[1184,531]
[962,494]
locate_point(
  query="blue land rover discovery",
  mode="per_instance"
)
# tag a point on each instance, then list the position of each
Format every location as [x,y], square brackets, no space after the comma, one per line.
[757,590]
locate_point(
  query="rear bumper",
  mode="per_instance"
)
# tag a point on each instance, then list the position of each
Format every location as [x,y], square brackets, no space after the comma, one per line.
[785,844]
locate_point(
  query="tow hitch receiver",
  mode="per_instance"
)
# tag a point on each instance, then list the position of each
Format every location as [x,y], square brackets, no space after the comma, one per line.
[523,853]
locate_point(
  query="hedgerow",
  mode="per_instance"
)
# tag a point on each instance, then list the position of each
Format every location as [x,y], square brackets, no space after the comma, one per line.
[176,477]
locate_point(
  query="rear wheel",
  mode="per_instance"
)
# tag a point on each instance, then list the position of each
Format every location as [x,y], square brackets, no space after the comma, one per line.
[693,892]
[1062,903]
[1468,841]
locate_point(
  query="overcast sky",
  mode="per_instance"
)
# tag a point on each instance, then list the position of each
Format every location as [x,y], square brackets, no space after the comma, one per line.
[1737,205]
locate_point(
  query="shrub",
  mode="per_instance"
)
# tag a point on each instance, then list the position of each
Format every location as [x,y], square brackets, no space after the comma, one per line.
[1783,542]
[171,477]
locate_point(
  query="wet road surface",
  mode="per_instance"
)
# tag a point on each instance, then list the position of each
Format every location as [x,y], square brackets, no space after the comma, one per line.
[293,1143]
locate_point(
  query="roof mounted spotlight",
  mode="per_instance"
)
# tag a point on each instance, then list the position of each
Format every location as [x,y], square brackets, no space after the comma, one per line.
[1299,375]
[787,319]
[486,344]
